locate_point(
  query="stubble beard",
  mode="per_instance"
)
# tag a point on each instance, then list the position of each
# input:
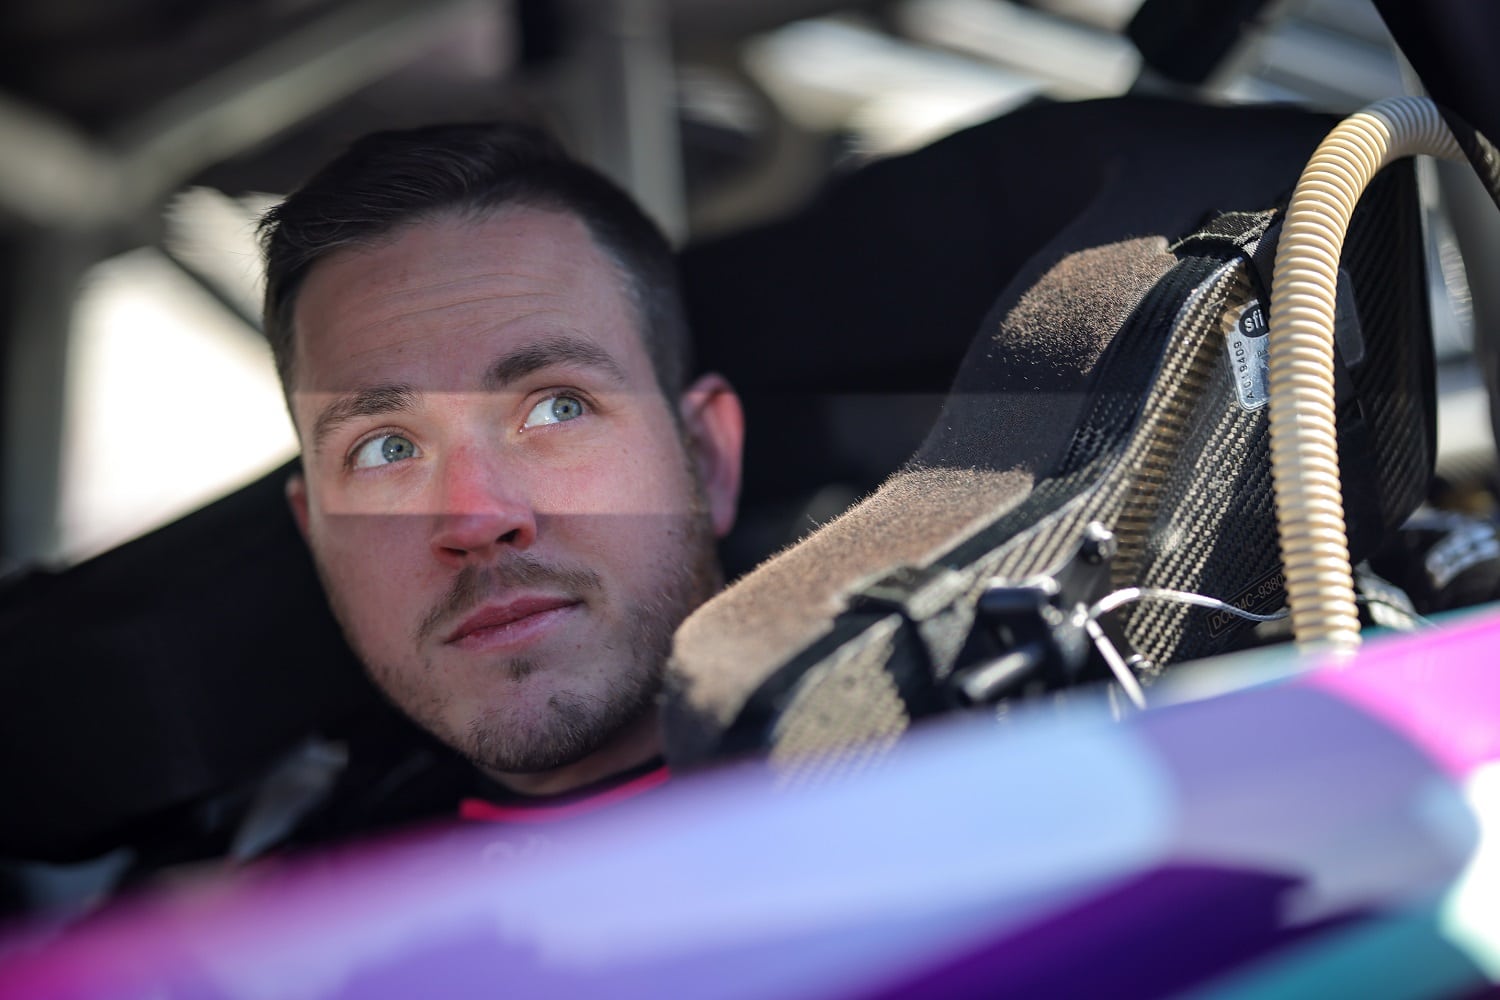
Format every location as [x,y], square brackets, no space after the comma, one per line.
[573,724]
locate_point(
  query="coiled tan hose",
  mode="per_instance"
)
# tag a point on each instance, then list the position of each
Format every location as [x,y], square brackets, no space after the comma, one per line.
[1304,285]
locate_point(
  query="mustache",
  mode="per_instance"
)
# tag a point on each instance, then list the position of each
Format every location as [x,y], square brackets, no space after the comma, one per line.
[474,585]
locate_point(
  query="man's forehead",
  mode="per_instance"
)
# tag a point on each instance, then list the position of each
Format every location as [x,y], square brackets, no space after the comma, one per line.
[445,237]
[481,359]
[440,299]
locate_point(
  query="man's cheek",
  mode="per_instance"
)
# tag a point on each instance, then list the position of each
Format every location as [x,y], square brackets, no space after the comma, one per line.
[358,536]
[379,612]
[622,490]
[362,553]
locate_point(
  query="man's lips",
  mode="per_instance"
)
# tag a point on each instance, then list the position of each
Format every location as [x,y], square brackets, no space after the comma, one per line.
[512,620]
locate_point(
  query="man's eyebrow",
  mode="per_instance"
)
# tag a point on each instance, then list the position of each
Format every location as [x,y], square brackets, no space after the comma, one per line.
[383,397]
[560,350]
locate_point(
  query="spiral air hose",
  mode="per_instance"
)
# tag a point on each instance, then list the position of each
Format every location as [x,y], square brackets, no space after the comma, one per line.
[1304,285]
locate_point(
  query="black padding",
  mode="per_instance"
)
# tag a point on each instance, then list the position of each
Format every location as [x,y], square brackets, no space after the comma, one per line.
[1451,44]
[168,669]
[843,326]
[1186,40]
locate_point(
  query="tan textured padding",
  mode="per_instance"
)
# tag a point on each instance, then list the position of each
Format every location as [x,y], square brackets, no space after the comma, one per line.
[728,647]
[1022,388]
[847,711]
[1021,392]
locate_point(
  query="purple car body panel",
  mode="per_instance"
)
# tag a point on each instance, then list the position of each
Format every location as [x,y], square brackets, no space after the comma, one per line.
[1272,840]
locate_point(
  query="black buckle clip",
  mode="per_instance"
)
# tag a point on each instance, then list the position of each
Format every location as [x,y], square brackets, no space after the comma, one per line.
[1036,635]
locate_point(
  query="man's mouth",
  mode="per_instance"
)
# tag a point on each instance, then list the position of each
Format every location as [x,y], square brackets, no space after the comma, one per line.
[510,622]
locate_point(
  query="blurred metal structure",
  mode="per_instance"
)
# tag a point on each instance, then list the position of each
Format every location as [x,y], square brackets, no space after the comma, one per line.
[107,109]
[621,100]
[54,173]
[74,193]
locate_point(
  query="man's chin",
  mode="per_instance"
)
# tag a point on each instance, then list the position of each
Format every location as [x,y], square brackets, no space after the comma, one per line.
[563,728]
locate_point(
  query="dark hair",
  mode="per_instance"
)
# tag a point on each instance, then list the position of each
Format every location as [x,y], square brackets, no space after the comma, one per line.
[388,179]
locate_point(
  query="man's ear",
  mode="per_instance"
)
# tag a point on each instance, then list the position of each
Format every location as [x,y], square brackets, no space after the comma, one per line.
[296,498]
[714,423]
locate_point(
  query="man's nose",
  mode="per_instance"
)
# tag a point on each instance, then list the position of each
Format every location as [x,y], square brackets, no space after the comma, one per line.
[481,511]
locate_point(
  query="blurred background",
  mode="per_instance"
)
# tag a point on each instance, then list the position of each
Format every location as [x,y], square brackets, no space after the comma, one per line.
[139,140]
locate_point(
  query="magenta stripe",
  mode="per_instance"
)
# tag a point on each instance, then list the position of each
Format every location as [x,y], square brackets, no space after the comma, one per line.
[480,810]
[1439,688]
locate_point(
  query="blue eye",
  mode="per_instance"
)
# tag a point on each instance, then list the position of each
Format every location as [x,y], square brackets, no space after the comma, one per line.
[555,410]
[383,450]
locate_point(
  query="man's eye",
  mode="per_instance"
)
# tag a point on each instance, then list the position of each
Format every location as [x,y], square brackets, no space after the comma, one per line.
[383,450]
[554,410]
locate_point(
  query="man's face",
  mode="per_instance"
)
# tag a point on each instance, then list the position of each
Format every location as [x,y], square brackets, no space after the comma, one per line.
[508,518]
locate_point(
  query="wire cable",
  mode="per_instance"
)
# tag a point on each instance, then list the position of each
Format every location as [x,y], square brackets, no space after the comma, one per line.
[1129,595]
